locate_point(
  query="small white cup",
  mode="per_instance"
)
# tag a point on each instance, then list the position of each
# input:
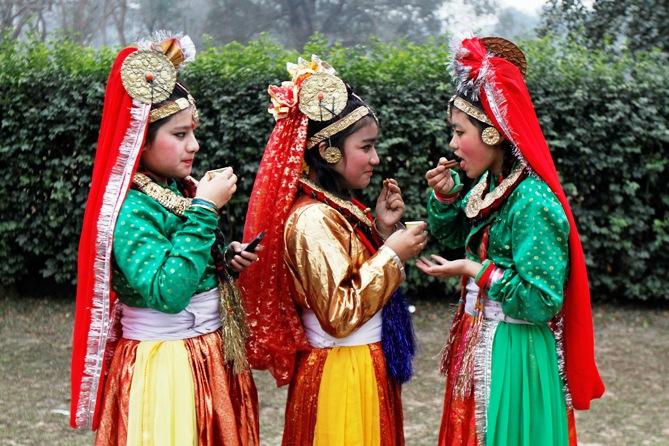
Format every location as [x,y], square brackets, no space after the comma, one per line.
[411,224]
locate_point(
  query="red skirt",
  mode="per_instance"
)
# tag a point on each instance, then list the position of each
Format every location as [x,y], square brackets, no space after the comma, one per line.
[226,404]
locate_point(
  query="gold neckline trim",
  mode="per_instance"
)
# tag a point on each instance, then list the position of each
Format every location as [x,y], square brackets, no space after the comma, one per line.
[476,202]
[352,208]
[166,197]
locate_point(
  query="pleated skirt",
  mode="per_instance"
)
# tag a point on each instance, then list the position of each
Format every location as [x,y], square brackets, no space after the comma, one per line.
[177,393]
[516,397]
[343,396]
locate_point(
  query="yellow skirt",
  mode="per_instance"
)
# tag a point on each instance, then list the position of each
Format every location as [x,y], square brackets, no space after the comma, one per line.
[343,396]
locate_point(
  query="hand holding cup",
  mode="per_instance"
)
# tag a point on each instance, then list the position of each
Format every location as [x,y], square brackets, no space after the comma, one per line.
[218,186]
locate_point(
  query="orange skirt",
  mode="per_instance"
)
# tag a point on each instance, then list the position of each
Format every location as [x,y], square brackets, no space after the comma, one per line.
[226,405]
[302,404]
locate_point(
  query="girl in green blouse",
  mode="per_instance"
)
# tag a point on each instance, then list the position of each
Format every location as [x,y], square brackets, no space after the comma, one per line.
[159,331]
[507,380]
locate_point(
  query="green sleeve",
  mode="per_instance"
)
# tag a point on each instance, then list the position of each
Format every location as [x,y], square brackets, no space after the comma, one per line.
[447,222]
[532,288]
[165,269]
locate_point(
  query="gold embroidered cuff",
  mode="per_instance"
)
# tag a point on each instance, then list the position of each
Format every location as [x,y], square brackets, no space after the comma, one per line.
[334,128]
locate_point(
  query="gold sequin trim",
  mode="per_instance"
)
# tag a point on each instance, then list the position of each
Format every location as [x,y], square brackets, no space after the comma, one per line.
[334,128]
[353,209]
[477,202]
[174,107]
[167,198]
[470,109]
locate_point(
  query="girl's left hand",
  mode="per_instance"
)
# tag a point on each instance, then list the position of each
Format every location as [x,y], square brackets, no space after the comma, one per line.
[389,206]
[440,267]
[242,259]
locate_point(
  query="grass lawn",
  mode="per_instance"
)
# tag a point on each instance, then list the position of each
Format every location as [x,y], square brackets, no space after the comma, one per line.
[632,352]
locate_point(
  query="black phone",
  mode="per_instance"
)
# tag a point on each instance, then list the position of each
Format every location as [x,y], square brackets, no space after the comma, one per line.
[251,247]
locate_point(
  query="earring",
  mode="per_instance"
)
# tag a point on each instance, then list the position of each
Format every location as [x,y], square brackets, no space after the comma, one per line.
[332,155]
[490,136]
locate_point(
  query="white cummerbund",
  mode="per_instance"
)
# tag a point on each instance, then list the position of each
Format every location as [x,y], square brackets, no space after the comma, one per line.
[492,310]
[367,333]
[201,316]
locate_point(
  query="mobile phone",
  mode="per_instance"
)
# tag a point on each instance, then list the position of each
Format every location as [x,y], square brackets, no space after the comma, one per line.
[251,247]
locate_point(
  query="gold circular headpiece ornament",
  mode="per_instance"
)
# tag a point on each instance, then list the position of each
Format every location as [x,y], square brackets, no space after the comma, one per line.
[508,50]
[322,97]
[148,76]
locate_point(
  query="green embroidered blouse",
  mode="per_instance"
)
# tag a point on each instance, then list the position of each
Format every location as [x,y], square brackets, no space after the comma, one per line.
[161,260]
[529,240]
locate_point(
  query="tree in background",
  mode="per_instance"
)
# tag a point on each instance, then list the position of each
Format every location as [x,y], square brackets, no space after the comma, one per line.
[349,22]
[638,24]
[23,16]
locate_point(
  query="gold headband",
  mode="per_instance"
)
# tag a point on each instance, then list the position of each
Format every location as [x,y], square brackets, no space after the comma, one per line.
[334,128]
[469,109]
[173,107]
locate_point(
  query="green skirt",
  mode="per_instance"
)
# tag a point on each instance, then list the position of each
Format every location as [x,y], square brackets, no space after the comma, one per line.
[526,402]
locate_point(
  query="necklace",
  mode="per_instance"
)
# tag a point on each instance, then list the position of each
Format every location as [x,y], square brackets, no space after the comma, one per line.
[479,205]
[166,197]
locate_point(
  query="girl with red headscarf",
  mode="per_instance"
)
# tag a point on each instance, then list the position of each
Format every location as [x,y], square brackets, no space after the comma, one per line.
[520,354]
[158,356]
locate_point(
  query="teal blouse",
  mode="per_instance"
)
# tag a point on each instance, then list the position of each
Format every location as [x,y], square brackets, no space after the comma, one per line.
[529,240]
[162,260]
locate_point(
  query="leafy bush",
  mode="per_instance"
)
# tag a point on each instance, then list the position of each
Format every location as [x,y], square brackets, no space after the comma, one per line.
[605,119]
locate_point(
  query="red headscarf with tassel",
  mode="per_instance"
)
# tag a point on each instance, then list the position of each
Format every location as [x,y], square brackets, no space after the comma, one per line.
[503,93]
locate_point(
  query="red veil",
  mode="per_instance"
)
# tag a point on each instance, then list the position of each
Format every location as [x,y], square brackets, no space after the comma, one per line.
[500,86]
[275,328]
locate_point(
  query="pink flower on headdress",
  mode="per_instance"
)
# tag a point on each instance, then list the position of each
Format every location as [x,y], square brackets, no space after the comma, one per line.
[283,99]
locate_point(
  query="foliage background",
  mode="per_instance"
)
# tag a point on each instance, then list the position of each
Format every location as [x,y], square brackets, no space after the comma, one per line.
[605,115]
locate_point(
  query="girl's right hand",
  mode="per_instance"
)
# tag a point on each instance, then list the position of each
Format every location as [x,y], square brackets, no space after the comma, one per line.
[217,186]
[439,178]
[408,243]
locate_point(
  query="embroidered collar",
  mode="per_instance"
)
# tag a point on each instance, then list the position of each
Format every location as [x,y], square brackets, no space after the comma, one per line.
[348,208]
[480,204]
[166,197]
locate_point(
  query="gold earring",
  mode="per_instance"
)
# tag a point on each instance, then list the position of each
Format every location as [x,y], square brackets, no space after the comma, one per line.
[490,136]
[332,155]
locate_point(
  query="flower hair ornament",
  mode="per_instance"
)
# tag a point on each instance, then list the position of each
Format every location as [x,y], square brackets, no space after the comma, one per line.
[314,92]
[141,76]
[492,70]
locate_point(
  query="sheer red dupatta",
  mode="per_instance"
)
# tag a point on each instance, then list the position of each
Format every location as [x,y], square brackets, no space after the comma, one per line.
[275,328]
[506,101]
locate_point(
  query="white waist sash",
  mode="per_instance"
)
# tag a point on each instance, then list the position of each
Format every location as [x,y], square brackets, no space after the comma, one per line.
[201,316]
[492,310]
[367,333]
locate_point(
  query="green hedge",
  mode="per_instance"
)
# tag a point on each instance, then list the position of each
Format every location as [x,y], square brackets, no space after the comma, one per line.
[605,118]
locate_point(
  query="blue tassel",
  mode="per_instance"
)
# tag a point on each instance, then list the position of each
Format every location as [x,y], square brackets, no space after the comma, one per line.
[398,338]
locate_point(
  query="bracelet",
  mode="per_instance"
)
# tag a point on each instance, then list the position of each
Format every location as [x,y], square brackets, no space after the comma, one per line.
[206,207]
[399,225]
[376,228]
[205,202]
